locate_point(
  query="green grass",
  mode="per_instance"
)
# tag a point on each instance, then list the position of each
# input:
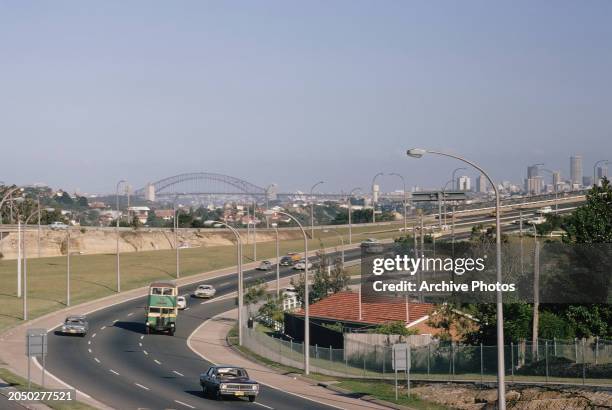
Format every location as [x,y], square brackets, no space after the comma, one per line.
[94,276]
[386,391]
[22,384]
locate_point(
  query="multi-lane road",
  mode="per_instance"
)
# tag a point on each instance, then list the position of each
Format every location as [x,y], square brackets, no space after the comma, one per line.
[119,365]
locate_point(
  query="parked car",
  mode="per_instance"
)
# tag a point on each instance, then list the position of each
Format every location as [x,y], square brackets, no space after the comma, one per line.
[58,225]
[75,325]
[220,381]
[301,265]
[181,302]
[265,265]
[205,291]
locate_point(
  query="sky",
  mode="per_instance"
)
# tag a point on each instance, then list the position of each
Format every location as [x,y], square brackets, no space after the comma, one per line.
[293,92]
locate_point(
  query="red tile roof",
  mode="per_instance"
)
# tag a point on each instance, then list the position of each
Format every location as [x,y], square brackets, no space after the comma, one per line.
[344,306]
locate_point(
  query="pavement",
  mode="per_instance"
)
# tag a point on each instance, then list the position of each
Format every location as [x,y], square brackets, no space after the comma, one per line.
[209,342]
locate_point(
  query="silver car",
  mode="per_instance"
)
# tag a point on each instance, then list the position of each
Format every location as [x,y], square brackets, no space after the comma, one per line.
[75,325]
[205,291]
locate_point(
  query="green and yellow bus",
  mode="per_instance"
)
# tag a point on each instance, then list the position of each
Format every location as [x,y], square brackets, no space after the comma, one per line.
[161,310]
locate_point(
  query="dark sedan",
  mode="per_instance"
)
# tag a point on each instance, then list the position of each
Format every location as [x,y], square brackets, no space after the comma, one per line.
[220,381]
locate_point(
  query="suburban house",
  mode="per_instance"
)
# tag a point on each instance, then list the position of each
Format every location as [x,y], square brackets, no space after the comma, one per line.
[343,308]
[139,212]
[165,214]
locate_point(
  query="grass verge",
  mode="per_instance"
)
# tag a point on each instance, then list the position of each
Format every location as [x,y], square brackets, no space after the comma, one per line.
[22,384]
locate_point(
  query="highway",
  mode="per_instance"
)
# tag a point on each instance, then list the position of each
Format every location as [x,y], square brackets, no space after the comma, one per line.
[119,365]
[122,367]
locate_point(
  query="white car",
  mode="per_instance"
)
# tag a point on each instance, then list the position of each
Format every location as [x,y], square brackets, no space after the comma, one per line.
[536,221]
[181,302]
[545,210]
[58,225]
[205,291]
[301,265]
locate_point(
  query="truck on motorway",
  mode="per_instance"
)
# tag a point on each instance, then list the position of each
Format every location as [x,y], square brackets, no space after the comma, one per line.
[161,310]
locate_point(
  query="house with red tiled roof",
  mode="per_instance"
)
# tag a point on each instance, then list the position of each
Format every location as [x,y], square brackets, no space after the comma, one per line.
[345,308]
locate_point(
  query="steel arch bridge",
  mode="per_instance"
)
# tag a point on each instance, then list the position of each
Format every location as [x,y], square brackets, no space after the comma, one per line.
[202,183]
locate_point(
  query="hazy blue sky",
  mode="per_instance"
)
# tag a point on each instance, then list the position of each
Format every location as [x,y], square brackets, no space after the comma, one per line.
[294,92]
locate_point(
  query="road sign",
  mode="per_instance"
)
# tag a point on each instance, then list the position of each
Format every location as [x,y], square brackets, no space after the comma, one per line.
[36,342]
[432,196]
[401,357]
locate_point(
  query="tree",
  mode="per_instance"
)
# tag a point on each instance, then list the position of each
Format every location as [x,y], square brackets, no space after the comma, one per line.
[517,321]
[323,282]
[394,328]
[254,293]
[448,318]
[592,222]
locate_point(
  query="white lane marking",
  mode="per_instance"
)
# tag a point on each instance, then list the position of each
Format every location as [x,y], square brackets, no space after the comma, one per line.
[141,386]
[263,405]
[156,361]
[115,321]
[140,344]
[185,404]
[141,337]
[145,352]
[113,372]
[175,372]
[94,335]
[89,350]
[130,314]
[186,309]
[89,342]
[96,359]
[103,327]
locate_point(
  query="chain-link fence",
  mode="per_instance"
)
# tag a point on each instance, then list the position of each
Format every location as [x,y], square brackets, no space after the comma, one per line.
[577,361]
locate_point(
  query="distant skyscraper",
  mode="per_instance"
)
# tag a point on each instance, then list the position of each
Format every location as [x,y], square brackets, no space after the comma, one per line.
[150,192]
[602,172]
[533,171]
[587,181]
[576,169]
[481,184]
[534,185]
[463,183]
[556,179]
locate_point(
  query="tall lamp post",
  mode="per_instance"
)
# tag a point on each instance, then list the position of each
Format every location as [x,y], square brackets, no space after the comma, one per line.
[312,208]
[25,267]
[176,244]
[306,303]
[239,267]
[373,199]
[275,226]
[123,181]
[341,241]
[404,202]
[604,161]
[501,387]
[350,213]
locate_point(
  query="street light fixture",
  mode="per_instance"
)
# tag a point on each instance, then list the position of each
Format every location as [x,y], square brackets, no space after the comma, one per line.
[501,387]
[306,291]
[404,202]
[350,212]
[373,201]
[239,267]
[312,208]
[123,181]
[25,266]
[275,226]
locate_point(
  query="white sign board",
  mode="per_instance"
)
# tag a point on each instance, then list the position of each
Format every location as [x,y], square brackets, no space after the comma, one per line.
[401,356]
[36,342]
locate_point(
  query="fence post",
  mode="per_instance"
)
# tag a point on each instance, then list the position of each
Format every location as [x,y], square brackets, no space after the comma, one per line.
[576,348]
[383,360]
[330,354]
[428,355]
[450,361]
[316,351]
[512,360]
[555,346]
[364,367]
[481,365]
[583,362]
[546,358]
[345,353]
[596,348]
[291,346]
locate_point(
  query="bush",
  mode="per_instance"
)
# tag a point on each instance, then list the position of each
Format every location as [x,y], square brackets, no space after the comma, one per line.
[553,326]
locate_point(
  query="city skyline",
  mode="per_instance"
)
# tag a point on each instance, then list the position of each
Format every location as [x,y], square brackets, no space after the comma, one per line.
[262,92]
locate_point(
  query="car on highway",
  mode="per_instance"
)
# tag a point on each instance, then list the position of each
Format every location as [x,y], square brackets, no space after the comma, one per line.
[265,265]
[371,245]
[544,210]
[205,291]
[58,225]
[301,264]
[75,325]
[536,221]
[290,259]
[181,302]
[224,381]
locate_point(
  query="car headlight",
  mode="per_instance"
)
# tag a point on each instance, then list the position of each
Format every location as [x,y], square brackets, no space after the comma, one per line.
[255,387]
[64,328]
[223,386]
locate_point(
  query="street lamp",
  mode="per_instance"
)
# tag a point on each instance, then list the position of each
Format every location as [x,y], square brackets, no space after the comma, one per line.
[605,161]
[123,181]
[501,387]
[239,267]
[6,197]
[373,201]
[306,303]
[275,226]
[25,267]
[312,208]
[341,241]
[350,212]
[404,202]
